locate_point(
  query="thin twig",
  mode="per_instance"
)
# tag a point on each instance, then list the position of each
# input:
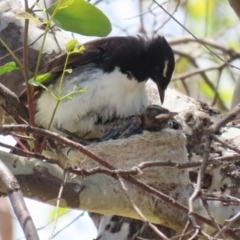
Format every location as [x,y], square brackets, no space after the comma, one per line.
[65,176]
[210,42]
[185,229]
[205,204]
[201,172]
[166,21]
[183,235]
[43,227]
[225,198]
[194,235]
[30,154]
[228,223]
[198,71]
[228,118]
[138,211]
[225,144]
[218,160]
[137,170]
[69,224]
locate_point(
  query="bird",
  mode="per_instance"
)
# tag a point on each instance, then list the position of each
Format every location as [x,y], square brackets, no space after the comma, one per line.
[153,118]
[113,70]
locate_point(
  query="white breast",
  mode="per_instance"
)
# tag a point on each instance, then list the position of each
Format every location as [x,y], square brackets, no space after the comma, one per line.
[107,95]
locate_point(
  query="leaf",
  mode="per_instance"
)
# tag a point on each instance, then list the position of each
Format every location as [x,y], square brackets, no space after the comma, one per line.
[40,79]
[34,83]
[8,67]
[80,17]
[31,145]
[79,49]
[76,87]
[68,70]
[26,15]
[69,98]
[71,45]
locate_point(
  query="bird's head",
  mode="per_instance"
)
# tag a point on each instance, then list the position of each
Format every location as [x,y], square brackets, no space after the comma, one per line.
[155,118]
[161,63]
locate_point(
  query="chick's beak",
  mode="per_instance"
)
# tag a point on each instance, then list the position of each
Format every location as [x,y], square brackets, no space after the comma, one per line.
[166,116]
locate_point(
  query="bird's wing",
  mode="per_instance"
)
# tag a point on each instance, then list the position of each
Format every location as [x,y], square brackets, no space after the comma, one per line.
[91,53]
[94,50]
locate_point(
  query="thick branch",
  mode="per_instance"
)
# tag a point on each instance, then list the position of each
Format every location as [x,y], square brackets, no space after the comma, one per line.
[15,195]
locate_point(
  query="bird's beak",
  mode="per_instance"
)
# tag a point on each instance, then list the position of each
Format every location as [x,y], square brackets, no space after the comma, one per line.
[161,93]
[164,116]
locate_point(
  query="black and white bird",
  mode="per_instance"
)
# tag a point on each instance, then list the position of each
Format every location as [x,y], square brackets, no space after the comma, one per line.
[114,71]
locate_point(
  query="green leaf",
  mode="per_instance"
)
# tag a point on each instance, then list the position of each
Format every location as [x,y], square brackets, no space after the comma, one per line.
[69,98]
[78,49]
[31,143]
[40,79]
[26,15]
[68,70]
[80,17]
[76,87]
[81,48]
[34,83]
[8,67]
[71,45]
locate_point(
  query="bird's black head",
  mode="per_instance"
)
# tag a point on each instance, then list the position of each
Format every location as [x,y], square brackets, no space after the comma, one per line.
[160,63]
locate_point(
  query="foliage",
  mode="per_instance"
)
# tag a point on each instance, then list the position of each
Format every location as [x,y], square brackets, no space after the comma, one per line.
[80,17]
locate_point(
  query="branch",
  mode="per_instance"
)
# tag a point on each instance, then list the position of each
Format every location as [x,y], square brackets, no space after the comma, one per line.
[14,193]
[209,42]
[11,104]
[228,118]
[236,6]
